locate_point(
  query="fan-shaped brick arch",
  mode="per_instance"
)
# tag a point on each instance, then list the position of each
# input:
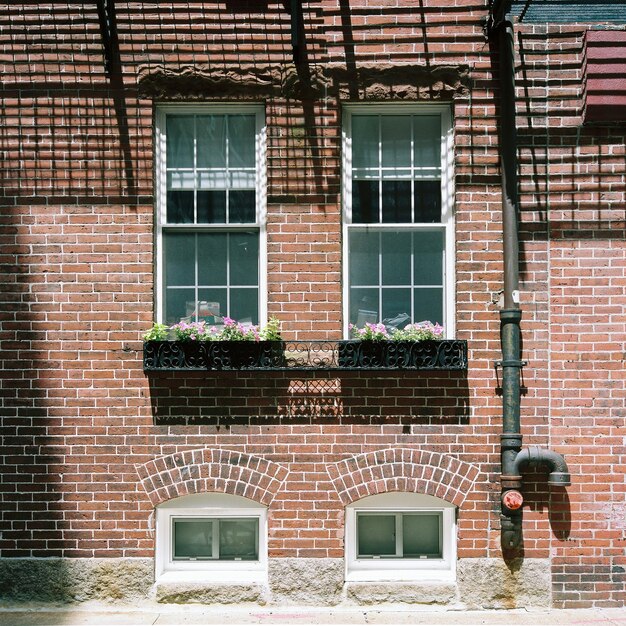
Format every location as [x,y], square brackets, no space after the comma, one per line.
[403,469]
[211,470]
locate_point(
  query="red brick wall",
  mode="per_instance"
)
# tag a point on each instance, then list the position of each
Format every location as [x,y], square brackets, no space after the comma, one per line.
[89,439]
[605,75]
[574,265]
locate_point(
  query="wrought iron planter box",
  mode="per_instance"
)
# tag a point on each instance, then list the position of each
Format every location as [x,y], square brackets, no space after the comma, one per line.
[304,355]
[428,354]
[212,355]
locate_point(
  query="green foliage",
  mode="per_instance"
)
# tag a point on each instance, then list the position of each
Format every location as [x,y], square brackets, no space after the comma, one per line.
[158,332]
[422,331]
[271,332]
[231,330]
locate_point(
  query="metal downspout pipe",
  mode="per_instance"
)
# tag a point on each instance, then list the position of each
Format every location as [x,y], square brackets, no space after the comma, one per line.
[511,455]
[510,314]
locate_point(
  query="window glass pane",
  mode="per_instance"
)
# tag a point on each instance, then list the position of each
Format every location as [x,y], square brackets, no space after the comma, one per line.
[395,302]
[363,306]
[396,140]
[428,259]
[179,305]
[181,180]
[179,140]
[180,250]
[365,141]
[239,539]
[241,133]
[376,535]
[212,258]
[214,179]
[365,201]
[421,535]
[396,201]
[212,305]
[193,539]
[396,257]
[244,305]
[242,207]
[427,201]
[242,179]
[428,303]
[244,258]
[211,207]
[211,133]
[364,253]
[180,207]
[427,140]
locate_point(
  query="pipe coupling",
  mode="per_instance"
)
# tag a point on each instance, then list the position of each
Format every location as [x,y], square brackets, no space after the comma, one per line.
[510,316]
[510,482]
[511,441]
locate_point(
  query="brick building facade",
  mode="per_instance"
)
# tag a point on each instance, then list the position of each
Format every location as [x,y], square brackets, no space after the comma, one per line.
[96,451]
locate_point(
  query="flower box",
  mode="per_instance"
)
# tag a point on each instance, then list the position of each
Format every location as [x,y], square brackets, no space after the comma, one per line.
[444,354]
[390,354]
[212,355]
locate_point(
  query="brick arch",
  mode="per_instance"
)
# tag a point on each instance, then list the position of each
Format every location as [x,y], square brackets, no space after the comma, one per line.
[403,469]
[211,470]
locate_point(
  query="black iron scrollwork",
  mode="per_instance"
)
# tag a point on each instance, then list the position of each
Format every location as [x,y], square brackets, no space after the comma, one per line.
[305,355]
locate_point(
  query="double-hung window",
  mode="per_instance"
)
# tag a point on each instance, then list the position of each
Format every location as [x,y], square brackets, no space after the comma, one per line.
[210,206]
[398,210]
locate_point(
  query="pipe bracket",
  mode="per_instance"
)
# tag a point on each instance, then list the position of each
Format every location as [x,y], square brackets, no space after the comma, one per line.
[511,363]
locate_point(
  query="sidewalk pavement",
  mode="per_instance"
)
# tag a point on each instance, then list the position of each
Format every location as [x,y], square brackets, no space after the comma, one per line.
[194,615]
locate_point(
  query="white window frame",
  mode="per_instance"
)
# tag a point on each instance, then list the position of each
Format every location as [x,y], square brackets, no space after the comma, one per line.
[400,569]
[162,110]
[447,200]
[208,506]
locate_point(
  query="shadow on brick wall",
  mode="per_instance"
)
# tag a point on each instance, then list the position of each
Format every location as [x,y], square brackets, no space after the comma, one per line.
[223,398]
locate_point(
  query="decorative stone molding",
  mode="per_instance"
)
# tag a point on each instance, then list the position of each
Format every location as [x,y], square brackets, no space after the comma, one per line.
[382,82]
[411,82]
[211,470]
[402,469]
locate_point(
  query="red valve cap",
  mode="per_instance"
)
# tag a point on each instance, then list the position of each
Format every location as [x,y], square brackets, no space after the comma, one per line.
[513,500]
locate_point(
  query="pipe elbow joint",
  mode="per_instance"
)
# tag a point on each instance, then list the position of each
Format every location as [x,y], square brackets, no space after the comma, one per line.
[534,455]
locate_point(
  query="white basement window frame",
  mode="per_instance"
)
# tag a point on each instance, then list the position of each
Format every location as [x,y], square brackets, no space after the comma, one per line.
[392,563]
[210,232]
[398,214]
[217,515]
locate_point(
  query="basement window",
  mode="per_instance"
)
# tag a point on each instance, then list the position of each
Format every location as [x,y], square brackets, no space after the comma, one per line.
[215,538]
[400,536]
[211,536]
[407,535]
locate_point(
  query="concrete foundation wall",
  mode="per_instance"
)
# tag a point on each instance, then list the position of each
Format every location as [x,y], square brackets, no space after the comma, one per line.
[481,583]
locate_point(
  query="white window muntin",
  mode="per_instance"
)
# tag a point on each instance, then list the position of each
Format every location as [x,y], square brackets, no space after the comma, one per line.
[444,174]
[208,506]
[393,568]
[255,177]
